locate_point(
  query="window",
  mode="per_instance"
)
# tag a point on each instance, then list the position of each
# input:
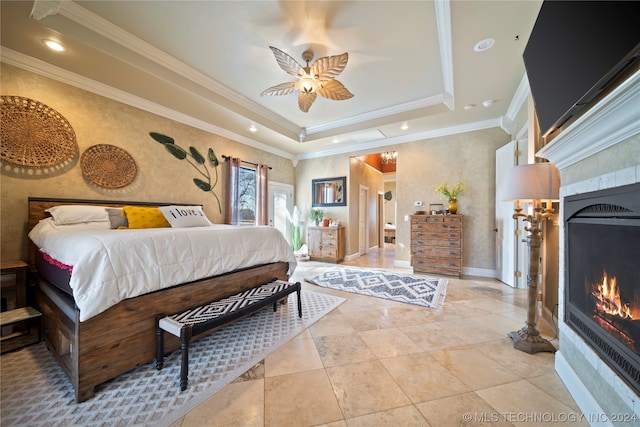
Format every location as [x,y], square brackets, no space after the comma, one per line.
[247,193]
[247,196]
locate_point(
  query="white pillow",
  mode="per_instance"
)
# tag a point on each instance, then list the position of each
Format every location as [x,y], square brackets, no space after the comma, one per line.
[76,214]
[83,226]
[185,216]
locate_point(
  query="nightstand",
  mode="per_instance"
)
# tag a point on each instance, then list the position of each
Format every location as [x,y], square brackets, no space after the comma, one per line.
[19,324]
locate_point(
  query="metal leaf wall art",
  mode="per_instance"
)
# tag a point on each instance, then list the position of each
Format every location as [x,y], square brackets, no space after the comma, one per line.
[195,159]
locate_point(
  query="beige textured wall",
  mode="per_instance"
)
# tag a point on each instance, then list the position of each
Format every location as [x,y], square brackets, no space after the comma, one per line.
[422,165]
[325,167]
[467,157]
[390,206]
[98,120]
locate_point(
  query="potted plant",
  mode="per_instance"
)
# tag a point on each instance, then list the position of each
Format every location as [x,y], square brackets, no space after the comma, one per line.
[451,194]
[316,216]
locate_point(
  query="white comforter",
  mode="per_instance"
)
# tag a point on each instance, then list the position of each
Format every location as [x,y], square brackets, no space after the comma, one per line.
[112,265]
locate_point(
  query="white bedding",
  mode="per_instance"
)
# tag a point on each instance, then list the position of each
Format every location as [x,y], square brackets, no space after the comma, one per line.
[112,265]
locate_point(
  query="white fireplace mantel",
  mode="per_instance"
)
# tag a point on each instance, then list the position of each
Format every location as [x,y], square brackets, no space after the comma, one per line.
[614,119]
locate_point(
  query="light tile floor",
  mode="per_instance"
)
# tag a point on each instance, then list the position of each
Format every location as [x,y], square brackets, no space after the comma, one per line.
[373,362]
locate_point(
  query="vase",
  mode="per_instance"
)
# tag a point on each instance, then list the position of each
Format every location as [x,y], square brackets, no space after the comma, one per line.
[453,206]
[296,241]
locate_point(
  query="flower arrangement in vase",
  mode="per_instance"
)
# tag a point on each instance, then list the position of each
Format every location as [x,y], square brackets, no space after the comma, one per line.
[451,194]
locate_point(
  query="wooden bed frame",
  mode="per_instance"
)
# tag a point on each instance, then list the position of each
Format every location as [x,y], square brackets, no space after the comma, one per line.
[124,336]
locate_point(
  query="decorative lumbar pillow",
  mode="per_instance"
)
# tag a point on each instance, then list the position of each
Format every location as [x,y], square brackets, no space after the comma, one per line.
[116,218]
[185,216]
[76,214]
[144,217]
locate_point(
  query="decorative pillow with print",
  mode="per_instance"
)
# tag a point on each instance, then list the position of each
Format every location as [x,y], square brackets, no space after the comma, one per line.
[144,217]
[185,216]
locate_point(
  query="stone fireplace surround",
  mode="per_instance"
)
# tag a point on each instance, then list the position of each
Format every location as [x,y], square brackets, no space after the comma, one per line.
[600,150]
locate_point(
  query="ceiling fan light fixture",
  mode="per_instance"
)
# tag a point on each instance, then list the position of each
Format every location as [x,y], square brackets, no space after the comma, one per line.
[317,79]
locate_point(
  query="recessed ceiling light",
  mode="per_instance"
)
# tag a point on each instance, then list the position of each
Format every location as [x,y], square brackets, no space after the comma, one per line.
[404,126]
[488,103]
[469,106]
[335,140]
[253,128]
[54,45]
[483,45]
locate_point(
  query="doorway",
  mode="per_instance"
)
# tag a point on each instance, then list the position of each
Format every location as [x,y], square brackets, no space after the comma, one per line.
[280,203]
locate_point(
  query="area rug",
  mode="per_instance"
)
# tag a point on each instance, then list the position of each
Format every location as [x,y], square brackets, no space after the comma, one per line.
[36,392]
[408,288]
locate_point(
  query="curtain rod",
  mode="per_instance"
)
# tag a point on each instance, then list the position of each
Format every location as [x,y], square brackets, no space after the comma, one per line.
[243,161]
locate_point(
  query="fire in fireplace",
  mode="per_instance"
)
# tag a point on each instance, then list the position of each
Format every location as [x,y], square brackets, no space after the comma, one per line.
[617,315]
[602,301]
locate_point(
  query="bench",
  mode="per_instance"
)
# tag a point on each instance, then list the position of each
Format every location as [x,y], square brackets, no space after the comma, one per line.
[200,319]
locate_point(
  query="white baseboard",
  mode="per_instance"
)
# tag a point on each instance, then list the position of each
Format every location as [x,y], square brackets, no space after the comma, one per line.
[402,264]
[352,256]
[481,272]
[590,409]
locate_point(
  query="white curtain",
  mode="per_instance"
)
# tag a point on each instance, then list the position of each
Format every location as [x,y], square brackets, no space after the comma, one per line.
[262,194]
[233,180]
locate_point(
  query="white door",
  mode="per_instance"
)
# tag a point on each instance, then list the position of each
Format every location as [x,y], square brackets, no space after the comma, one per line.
[363,235]
[280,201]
[505,227]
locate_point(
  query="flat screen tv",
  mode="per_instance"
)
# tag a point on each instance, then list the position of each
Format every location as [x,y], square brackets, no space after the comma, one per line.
[575,50]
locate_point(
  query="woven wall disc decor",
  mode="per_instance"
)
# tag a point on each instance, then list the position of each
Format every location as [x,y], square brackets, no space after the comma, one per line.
[37,141]
[108,166]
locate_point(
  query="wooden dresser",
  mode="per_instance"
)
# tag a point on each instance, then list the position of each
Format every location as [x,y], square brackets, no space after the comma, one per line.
[326,243]
[436,244]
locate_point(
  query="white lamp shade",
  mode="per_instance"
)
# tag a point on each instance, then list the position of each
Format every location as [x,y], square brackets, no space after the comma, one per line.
[537,181]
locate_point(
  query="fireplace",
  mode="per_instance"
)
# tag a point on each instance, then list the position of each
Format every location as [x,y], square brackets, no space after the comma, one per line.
[602,291]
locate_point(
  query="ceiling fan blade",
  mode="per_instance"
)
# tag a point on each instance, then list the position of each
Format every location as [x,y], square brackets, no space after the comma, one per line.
[335,90]
[328,67]
[305,99]
[287,63]
[281,89]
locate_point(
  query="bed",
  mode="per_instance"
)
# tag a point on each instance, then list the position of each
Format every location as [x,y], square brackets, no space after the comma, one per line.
[95,341]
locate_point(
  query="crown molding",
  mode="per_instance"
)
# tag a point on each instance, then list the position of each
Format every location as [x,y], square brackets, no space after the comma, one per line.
[386,142]
[126,40]
[614,119]
[372,115]
[52,72]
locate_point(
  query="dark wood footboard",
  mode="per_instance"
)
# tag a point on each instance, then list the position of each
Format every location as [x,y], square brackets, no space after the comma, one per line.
[123,337]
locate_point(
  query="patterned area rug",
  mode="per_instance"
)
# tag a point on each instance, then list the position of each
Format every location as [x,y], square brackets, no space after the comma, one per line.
[412,289]
[36,392]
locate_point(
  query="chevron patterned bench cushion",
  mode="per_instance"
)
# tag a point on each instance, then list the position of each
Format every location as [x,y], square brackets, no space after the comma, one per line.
[217,313]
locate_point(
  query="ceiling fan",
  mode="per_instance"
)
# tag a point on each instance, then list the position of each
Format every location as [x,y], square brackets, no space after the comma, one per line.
[314,80]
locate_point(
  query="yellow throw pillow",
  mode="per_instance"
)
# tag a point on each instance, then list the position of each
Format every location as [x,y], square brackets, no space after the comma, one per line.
[144,217]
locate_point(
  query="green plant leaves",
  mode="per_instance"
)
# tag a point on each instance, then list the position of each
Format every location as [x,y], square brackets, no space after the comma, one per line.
[198,162]
[212,158]
[196,155]
[162,139]
[177,152]
[204,186]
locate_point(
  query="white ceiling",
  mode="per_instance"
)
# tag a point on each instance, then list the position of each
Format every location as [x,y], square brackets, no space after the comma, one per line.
[205,63]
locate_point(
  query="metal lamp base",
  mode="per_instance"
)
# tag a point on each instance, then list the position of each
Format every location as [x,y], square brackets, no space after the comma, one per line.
[528,339]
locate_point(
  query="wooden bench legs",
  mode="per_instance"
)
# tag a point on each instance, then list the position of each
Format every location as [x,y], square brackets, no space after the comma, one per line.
[217,313]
